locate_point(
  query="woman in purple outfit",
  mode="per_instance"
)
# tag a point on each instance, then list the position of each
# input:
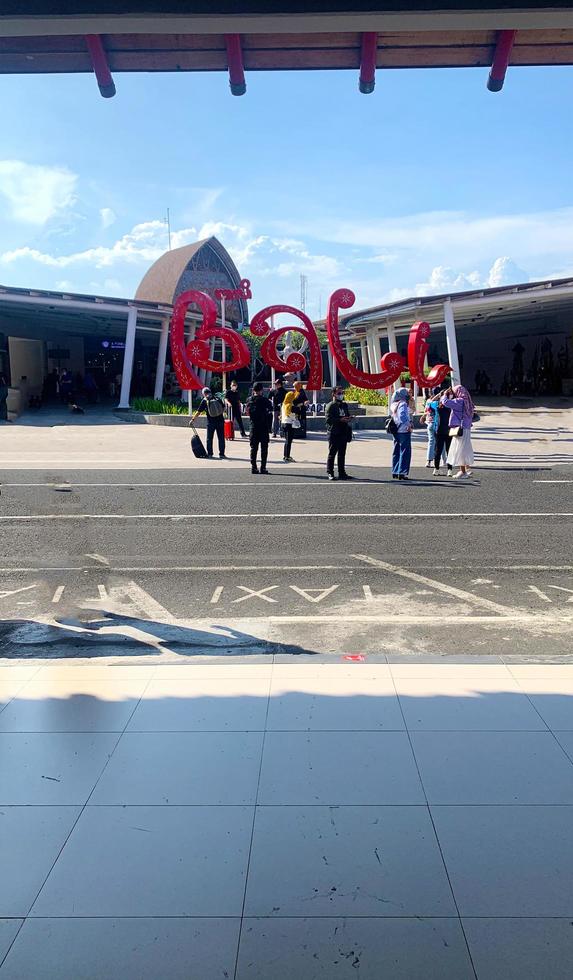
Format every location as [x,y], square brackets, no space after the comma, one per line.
[461,453]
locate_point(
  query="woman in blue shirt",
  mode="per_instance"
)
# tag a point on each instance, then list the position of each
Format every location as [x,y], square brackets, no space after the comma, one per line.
[402,451]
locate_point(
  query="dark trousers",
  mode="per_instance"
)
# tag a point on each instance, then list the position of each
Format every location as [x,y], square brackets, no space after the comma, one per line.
[216,426]
[442,439]
[238,418]
[288,440]
[276,422]
[258,438]
[337,447]
[402,454]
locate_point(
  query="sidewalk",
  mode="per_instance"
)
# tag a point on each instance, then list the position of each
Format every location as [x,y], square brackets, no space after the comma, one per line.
[279,820]
[101,441]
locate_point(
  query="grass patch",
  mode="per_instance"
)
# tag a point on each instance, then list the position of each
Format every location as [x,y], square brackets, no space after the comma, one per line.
[158,406]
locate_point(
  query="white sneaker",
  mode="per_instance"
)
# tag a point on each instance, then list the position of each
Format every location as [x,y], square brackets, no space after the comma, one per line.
[460,476]
[436,473]
[429,465]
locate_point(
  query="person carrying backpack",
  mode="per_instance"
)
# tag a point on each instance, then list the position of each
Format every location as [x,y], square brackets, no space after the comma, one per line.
[260,411]
[215,412]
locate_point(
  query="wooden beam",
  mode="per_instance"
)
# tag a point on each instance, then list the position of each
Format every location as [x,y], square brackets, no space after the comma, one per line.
[367,79]
[500,61]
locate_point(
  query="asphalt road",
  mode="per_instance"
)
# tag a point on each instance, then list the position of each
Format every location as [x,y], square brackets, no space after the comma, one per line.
[116,564]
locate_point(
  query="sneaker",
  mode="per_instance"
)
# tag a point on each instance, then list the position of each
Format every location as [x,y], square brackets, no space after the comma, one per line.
[436,473]
[460,476]
[346,476]
[286,459]
[331,476]
[209,455]
[450,471]
[291,460]
[254,471]
[394,476]
[429,464]
[266,472]
[222,456]
[402,476]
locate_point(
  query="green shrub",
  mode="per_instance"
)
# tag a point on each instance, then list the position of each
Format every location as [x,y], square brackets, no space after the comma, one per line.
[364,396]
[157,406]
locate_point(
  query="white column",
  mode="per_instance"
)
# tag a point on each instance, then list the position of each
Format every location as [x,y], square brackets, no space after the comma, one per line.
[161,356]
[128,358]
[333,375]
[364,355]
[373,351]
[452,341]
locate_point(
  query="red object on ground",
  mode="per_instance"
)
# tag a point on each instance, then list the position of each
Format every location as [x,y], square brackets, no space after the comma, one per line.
[235,62]
[229,430]
[500,61]
[100,65]
[356,658]
[367,78]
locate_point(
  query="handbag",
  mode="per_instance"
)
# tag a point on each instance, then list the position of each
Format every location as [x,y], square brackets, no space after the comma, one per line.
[391,427]
[295,423]
[456,430]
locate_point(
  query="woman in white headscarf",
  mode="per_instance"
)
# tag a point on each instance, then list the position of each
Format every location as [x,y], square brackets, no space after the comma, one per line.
[402,450]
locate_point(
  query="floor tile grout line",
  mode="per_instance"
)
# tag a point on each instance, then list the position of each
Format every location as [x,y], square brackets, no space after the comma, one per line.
[4,957]
[431,817]
[242,917]
[289,731]
[82,808]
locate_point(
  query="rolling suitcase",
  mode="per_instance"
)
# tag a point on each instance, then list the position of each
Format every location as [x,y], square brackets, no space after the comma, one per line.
[229,430]
[197,446]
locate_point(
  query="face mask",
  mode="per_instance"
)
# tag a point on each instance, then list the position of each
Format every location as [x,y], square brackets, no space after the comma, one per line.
[339,397]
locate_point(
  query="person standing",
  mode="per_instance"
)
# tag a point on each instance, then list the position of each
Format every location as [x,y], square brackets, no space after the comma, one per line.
[430,419]
[300,405]
[443,440]
[459,401]
[339,432]
[277,398]
[260,411]
[3,399]
[402,450]
[233,400]
[288,421]
[213,408]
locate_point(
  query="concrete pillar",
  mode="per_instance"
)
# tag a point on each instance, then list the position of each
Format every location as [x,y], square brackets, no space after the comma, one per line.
[373,351]
[451,341]
[333,374]
[161,356]
[364,355]
[128,353]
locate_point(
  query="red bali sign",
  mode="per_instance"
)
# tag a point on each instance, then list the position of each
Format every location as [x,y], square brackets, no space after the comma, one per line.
[196,352]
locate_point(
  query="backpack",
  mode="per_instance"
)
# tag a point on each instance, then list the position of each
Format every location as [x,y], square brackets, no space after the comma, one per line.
[214,407]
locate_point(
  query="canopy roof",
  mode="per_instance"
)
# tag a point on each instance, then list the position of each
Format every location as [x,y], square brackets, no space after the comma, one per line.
[108,36]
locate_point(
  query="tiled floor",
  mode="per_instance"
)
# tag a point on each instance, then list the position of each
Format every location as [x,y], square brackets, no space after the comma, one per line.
[323,821]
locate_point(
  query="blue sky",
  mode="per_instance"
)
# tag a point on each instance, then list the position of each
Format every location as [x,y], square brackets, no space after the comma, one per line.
[430,184]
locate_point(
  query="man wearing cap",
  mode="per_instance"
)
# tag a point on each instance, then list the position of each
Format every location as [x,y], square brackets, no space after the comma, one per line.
[213,408]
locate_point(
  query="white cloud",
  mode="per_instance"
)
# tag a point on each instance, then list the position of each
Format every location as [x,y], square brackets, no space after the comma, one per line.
[108,217]
[33,194]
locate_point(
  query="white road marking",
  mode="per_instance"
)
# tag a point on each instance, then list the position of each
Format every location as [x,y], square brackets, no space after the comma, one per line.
[144,602]
[482,581]
[367,593]
[217,594]
[102,592]
[321,593]
[438,586]
[437,620]
[561,588]
[252,593]
[552,481]
[23,588]
[536,591]
[58,593]
[331,516]
[99,558]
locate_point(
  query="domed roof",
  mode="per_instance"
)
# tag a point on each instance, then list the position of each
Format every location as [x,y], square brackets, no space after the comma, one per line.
[205,265]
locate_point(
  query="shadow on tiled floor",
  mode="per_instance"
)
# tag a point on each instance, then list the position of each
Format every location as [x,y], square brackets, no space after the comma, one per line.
[408,820]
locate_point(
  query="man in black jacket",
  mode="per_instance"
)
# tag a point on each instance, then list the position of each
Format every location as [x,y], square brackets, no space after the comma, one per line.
[260,412]
[233,400]
[339,432]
